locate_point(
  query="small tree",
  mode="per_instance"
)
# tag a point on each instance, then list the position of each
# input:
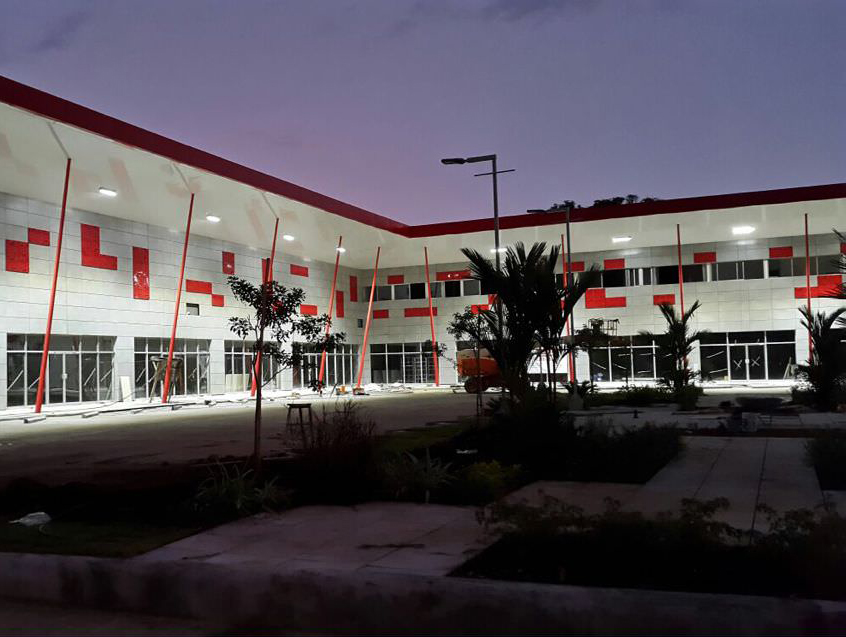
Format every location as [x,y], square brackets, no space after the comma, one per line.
[470,326]
[274,320]
[676,344]
[825,371]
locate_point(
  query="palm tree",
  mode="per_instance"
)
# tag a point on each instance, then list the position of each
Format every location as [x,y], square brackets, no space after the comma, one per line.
[528,299]
[825,371]
[676,344]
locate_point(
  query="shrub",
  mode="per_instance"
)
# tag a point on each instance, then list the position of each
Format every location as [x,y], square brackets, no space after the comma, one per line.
[338,463]
[827,454]
[410,477]
[482,482]
[231,492]
[631,396]
[688,396]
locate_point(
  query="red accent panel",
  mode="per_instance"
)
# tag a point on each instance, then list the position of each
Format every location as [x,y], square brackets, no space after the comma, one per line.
[454,275]
[491,299]
[91,256]
[785,252]
[595,299]
[802,293]
[17,256]
[140,273]
[704,257]
[394,279]
[339,303]
[217,300]
[478,308]
[578,266]
[381,314]
[198,287]
[828,284]
[419,311]
[615,264]
[38,237]
[353,289]
[660,299]
[299,270]
[308,310]
[228,262]
[843,248]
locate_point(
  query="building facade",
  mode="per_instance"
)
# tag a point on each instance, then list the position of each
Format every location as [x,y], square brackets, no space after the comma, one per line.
[121,262]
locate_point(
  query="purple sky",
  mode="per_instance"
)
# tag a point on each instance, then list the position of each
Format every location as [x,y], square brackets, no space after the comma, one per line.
[360,99]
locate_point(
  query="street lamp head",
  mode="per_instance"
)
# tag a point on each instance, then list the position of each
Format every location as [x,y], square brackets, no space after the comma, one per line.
[478,158]
[452,160]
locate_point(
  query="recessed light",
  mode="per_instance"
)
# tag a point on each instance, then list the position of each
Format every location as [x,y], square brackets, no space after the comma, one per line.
[288,237]
[742,230]
[212,218]
[620,239]
[107,192]
[500,250]
[307,259]
[341,250]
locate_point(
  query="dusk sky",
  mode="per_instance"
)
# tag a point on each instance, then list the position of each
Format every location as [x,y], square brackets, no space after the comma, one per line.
[360,100]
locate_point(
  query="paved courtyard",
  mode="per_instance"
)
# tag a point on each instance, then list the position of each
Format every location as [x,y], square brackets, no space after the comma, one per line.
[72,447]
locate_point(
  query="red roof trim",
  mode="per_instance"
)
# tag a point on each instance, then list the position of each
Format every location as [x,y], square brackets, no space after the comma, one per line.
[56,108]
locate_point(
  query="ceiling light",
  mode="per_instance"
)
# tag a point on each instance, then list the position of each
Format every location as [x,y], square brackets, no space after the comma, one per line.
[742,230]
[341,250]
[212,218]
[620,239]
[288,237]
[500,250]
[107,192]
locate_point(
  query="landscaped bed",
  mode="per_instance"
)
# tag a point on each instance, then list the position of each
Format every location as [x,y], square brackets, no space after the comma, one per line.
[803,555]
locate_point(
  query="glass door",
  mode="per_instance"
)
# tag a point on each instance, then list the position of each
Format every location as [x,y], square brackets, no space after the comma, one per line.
[755,362]
[737,362]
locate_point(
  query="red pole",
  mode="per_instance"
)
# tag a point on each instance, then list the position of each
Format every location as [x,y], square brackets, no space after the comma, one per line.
[166,387]
[808,287]
[266,275]
[571,354]
[369,318]
[331,307]
[39,397]
[431,318]
[681,276]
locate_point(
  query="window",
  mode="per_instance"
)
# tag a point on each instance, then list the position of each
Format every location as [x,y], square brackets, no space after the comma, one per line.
[471,287]
[624,359]
[383,292]
[402,363]
[727,271]
[237,375]
[828,264]
[192,309]
[436,290]
[744,356]
[753,269]
[339,368]
[779,267]
[452,288]
[417,290]
[190,373]
[693,273]
[401,292]
[799,266]
[79,368]
[666,274]
[613,278]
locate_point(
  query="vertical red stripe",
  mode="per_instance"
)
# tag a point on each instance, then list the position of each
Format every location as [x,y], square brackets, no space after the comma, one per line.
[339,304]
[353,289]
[140,273]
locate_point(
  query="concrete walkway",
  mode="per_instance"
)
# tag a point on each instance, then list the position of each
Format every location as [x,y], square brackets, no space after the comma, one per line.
[378,536]
[747,471]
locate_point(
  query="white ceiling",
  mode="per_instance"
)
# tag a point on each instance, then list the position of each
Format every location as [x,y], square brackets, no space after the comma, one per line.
[150,190]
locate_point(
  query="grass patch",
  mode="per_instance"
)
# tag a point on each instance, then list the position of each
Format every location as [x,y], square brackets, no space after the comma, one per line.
[416,439]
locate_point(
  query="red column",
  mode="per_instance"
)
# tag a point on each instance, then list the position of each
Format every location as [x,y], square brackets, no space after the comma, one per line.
[681,277]
[571,368]
[369,318]
[39,397]
[166,386]
[432,318]
[331,307]
[266,275]
[808,286]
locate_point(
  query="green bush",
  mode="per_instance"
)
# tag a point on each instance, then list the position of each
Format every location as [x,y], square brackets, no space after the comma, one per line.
[827,454]
[231,492]
[631,396]
[408,476]
[483,482]
[688,396]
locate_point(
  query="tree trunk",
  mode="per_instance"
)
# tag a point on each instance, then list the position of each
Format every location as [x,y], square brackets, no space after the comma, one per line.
[257,430]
